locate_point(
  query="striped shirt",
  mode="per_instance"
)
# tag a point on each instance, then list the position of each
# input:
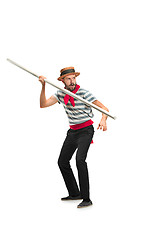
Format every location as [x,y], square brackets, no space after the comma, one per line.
[80,113]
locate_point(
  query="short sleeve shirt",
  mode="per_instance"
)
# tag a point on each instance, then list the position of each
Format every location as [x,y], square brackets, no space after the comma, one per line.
[80,113]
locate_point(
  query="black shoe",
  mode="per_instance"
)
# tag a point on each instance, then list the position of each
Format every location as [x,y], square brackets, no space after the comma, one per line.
[85,204]
[71,198]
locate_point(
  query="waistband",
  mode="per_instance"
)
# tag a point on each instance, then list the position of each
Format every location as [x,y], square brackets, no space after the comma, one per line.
[81,125]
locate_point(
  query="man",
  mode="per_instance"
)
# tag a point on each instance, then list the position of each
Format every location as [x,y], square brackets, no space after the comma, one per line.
[79,136]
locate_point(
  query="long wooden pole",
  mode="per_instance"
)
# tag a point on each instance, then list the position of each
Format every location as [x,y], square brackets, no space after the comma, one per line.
[65,91]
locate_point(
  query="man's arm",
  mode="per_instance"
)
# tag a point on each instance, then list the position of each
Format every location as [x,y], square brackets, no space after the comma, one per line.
[102,124]
[43,101]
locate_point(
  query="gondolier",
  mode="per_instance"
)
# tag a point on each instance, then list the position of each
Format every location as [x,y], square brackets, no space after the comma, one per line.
[80,134]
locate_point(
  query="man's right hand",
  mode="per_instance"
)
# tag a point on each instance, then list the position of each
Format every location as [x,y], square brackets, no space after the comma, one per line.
[41,79]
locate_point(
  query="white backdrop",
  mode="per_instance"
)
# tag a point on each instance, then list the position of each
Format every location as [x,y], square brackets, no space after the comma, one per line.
[115,46]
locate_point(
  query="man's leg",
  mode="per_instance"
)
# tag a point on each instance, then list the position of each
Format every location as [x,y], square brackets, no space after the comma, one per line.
[84,142]
[67,151]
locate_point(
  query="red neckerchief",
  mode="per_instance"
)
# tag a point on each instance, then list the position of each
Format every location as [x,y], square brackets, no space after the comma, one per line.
[67,97]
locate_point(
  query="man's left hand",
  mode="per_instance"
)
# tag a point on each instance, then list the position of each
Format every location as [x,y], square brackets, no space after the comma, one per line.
[102,125]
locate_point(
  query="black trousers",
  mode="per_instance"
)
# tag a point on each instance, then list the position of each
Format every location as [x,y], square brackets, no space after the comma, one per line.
[76,139]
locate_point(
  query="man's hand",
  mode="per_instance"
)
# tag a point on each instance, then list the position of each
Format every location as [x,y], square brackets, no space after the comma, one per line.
[102,125]
[41,79]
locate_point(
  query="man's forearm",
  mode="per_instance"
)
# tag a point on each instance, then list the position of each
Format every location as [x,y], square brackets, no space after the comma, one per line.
[42,97]
[104,116]
[99,104]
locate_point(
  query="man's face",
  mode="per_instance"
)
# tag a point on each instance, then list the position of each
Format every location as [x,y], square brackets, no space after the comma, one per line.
[70,82]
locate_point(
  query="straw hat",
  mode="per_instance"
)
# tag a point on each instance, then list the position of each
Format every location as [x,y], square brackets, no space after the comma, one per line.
[67,71]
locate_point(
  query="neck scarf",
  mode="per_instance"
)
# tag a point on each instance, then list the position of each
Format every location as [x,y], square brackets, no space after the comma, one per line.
[67,97]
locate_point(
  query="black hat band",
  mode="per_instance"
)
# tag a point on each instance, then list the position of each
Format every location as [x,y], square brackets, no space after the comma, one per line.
[68,71]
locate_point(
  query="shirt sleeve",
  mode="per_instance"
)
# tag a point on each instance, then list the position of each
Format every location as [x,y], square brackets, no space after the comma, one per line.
[89,97]
[56,95]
